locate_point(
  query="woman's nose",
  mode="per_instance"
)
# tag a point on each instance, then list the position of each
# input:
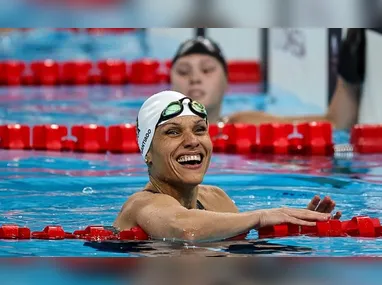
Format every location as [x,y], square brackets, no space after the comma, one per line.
[190,140]
[195,78]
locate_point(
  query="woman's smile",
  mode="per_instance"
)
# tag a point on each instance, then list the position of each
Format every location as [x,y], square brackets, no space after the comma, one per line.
[191,160]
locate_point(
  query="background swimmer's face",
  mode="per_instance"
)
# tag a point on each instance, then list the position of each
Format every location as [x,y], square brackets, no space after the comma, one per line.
[181,151]
[202,78]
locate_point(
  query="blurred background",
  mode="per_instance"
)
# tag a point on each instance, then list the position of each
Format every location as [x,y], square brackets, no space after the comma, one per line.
[189,13]
[296,62]
[292,69]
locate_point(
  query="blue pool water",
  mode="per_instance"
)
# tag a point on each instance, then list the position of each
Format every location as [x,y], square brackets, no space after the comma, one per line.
[75,190]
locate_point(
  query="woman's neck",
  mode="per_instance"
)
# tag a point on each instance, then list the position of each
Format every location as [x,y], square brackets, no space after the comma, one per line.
[184,194]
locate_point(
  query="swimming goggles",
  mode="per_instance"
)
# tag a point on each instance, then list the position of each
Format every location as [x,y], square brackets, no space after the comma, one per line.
[204,41]
[176,108]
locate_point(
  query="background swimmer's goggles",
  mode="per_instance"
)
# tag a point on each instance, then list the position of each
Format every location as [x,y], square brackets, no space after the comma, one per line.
[207,44]
[176,108]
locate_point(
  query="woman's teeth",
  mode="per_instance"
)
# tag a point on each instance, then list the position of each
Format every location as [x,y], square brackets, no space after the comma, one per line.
[190,158]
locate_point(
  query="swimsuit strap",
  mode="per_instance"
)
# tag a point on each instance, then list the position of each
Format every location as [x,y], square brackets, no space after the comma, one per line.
[199,204]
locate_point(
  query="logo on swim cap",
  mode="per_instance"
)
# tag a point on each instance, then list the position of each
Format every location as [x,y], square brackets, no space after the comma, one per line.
[145,140]
[138,130]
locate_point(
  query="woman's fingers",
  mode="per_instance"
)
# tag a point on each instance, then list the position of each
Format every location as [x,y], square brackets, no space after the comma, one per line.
[299,222]
[302,217]
[314,203]
[337,216]
[326,205]
[307,215]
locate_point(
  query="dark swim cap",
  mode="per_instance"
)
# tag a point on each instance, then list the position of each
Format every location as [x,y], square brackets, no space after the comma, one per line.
[201,45]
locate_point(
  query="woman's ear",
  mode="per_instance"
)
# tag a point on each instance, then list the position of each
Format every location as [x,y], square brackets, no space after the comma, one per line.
[148,160]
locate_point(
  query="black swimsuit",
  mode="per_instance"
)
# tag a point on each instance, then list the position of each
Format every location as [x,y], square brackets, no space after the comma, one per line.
[199,204]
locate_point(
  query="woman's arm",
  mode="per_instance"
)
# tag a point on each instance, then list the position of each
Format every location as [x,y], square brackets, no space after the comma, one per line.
[342,112]
[344,106]
[161,216]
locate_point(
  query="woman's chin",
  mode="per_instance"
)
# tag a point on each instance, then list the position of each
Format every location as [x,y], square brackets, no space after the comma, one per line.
[192,180]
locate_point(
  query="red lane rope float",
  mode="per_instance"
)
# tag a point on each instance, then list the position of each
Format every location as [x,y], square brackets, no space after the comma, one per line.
[107,71]
[11,72]
[358,226]
[46,72]
[76,72]
[15,136]
[146,72]
[244,71]
[90,233]
[113,71]
[304,139]
[366,138]
[297,139]
[48,137]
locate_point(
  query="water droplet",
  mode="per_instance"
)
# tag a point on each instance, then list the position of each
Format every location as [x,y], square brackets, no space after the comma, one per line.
[88,190]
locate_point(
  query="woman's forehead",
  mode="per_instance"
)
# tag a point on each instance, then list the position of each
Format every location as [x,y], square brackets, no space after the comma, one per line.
[195,58]
[184,120]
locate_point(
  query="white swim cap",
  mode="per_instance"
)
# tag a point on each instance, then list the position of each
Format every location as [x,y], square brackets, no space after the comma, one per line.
[150,113]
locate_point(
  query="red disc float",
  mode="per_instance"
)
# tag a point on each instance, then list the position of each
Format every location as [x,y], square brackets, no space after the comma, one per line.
[145,71]
[48,137]
[366,138]
[90,138]
[113,71]
[46,72]
[219,137]
[15,136]
[11,72]
[241,138]
[122,139]
[274,138]
[76,72]
[244,72]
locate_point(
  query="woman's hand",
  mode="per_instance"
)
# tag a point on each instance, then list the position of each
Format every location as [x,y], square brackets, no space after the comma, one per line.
[302,217]
[325,205]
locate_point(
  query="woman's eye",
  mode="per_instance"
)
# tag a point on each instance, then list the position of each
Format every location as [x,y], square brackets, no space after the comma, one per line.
[172,132]
[201,129]
[208,70]
[182,72]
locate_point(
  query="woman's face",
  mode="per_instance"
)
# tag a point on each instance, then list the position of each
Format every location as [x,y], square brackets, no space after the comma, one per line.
[180,152]
[200,77]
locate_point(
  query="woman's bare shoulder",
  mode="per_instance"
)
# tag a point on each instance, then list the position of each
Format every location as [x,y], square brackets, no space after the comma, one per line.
[135,200]
[216,198]
[211,190]
[143,197]
[127,217]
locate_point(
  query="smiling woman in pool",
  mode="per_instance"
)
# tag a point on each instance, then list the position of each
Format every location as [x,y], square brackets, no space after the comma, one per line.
[175,144]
